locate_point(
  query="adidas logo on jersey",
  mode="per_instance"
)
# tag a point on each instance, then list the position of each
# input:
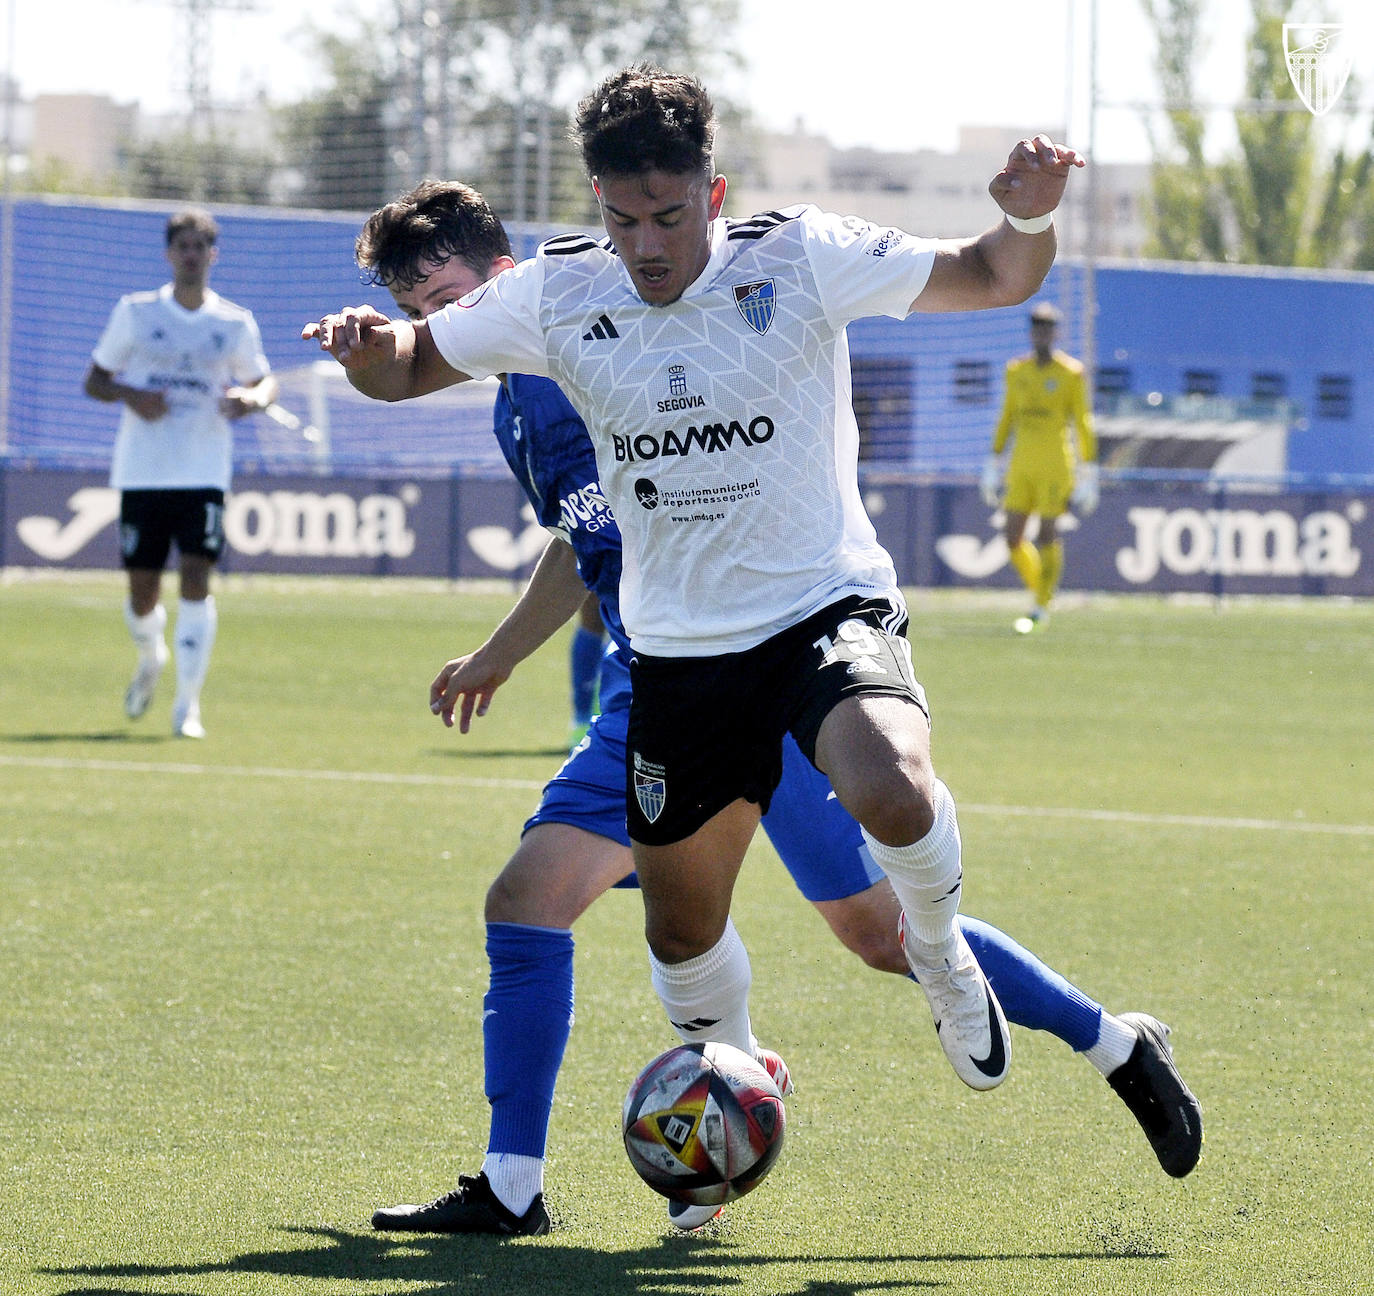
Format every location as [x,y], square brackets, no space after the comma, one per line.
[601,330]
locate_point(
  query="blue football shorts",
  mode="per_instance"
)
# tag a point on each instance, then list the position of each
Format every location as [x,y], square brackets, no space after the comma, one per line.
[818,841]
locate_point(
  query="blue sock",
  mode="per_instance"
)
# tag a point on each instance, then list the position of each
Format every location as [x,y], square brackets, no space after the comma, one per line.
[529,1015]
[1031,994]
[586,670]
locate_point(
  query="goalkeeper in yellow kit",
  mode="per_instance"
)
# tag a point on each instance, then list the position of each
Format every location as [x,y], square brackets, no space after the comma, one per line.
[1046,395]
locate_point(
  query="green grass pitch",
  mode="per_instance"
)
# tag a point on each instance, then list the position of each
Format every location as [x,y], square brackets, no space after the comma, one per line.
[241,980]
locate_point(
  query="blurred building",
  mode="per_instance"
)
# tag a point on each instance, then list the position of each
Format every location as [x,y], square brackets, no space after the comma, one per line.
[927,192]
[82,134]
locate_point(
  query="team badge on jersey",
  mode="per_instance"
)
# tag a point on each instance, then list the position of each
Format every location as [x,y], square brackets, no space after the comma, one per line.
[651,789]
[756,302]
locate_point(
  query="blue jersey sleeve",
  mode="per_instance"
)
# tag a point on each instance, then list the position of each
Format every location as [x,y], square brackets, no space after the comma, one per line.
[547,447]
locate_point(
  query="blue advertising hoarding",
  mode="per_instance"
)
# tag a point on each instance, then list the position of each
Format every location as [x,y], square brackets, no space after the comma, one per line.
[1149,537]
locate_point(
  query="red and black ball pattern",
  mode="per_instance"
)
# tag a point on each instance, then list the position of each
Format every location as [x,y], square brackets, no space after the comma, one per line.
[703,1123]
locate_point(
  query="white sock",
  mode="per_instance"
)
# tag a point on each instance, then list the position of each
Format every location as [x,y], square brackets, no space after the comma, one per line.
[927,877]
[707,997]
[516,1180]
[195,636]
[1115,1041]
[146,631]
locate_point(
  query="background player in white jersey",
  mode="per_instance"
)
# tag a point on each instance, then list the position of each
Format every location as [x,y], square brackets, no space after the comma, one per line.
[183,362]
[716,389]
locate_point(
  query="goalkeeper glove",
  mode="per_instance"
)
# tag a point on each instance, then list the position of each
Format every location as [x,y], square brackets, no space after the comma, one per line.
[990,483]
[1086,490]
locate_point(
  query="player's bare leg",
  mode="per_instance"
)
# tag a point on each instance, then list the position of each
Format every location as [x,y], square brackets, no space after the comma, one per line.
[700,969]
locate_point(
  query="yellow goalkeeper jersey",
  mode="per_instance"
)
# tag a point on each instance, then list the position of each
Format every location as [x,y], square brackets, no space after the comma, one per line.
[1042,403]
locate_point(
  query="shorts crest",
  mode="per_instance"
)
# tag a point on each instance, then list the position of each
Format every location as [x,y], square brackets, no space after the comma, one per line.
[651,787]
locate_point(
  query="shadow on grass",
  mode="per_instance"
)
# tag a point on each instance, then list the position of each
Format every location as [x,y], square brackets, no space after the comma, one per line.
[477,757]
[448,1266]
[102,736]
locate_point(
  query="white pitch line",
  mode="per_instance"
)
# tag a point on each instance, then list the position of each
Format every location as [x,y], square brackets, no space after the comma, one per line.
[1171,820]
[261,771]
[467,781]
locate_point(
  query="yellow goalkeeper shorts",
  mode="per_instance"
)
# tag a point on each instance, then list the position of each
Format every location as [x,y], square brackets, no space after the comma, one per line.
[1043,493]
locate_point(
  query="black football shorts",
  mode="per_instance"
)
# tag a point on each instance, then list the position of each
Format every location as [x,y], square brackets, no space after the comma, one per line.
[706,731]
[150,520]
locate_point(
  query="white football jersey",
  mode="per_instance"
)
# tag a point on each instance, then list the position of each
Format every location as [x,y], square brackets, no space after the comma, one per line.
[192,357]
[723,424]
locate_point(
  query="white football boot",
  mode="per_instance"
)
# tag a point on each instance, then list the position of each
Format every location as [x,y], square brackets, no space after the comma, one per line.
[144,683]
[968,1019]
[186,720]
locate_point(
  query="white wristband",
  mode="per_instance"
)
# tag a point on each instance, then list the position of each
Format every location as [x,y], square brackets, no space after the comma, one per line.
[1034,225]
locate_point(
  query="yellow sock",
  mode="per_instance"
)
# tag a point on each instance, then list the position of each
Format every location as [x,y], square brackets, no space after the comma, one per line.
[1051,564]
[1026,559]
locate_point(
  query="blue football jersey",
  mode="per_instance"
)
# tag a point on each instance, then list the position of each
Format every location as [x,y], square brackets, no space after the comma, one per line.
[546,445]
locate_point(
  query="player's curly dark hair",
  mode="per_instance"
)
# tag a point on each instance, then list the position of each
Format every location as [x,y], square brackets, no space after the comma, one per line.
[645,119]
[429,224]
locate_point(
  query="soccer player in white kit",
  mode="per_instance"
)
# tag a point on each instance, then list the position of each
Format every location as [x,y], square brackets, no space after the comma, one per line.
[182,361]
[708,359]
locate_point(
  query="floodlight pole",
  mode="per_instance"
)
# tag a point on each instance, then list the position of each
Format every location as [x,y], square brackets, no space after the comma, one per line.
[7,229]
[1090,242]
[522,115]
[1066,219]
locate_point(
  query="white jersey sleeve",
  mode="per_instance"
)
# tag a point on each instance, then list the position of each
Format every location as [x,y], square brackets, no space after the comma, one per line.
[116,345]
[249,364]
[863,269]
[496,328]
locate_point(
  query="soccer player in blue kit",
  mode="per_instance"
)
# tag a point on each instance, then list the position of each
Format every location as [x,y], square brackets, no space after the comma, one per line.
[430,247]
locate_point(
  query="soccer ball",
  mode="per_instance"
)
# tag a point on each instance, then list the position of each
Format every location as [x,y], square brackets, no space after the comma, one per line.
[703,1124]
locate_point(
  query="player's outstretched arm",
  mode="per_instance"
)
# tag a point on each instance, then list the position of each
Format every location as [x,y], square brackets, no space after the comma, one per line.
[1004,266]
[386,359]
[467,683]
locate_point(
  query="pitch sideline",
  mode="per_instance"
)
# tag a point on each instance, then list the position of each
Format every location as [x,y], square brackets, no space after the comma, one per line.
[466,781]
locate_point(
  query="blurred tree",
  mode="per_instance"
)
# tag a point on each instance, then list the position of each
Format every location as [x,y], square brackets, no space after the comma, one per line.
[1187,215]
[1280,198]
[482,90]
[336,143]
[186,166]
[54,176]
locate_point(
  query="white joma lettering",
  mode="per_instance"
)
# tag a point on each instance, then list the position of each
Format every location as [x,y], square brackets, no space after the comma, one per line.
[1237,542]
[305,525]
